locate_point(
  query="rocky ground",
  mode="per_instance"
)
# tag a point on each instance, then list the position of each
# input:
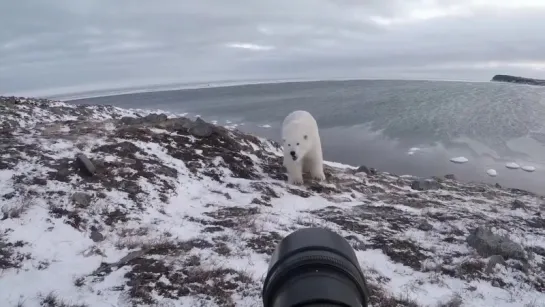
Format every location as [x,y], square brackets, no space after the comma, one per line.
[102,206]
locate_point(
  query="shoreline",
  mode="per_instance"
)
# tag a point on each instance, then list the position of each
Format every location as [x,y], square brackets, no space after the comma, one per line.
[478,179]
[407,159]
[117,204]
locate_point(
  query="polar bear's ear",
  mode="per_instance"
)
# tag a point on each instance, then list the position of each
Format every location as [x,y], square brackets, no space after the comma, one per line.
[305,137]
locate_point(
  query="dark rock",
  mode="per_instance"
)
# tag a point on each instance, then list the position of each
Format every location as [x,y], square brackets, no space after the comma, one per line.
[201,129]
[417,203]
[127,120]
[438,179]
[82,199]
[166,171]
[62,174]
[130,187]
[496,283]
[212,229]
[9,195]
[521,266]
[425,184]
[521,192]
[425,226]
[105,267]
[538,250]
[264,189]
[155,118]
[123,150]
[450,176]
[363,169]
[39,181]
[318,188]
[176,124]
[495,259]
[487,244]
[536,223]
[101,195]
[97,236]
[58,110]
[257,201]
[497,185]
[85,164]
[299,192]
[128,161]
[517,204]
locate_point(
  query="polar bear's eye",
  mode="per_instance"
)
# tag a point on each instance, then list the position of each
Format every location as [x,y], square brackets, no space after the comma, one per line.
[297,144]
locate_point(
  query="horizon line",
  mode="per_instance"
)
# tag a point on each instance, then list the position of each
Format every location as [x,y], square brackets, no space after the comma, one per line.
[177,86]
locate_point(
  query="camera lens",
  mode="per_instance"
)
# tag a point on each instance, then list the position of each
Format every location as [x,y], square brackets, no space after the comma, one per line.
[314,267]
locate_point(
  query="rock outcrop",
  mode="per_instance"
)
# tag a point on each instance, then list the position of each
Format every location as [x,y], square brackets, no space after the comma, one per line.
[521,80]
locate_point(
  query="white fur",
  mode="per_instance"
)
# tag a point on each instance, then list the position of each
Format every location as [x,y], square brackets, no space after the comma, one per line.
[295,127]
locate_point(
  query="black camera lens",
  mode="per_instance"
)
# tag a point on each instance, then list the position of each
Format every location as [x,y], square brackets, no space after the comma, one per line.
[314,267]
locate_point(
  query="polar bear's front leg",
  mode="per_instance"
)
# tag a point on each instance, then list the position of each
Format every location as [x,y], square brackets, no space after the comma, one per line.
[317,170]
[316,166]
[295,173]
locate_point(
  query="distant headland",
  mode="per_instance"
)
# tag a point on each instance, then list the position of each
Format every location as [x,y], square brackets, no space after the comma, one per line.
[521,80]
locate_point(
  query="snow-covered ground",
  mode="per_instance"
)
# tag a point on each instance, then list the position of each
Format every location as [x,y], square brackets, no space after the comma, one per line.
[181,213]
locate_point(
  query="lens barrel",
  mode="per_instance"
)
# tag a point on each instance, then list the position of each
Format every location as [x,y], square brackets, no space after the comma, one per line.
[314,267]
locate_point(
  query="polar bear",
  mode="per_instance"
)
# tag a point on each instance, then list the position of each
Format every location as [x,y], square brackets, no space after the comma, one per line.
[302,147]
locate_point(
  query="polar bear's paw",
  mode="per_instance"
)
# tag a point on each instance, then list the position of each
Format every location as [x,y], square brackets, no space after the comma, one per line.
[317,172]
[295,180]
[319,176]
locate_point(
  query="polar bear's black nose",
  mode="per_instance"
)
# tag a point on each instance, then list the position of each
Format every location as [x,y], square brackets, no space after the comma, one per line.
[292,153]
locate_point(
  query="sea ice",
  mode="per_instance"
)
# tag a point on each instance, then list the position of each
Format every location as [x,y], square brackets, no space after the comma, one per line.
[512,165]
[412,150]
[459,160]
[492,172]
[528,168]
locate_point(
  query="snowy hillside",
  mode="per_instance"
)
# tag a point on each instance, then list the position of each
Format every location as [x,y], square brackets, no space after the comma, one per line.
[175,212]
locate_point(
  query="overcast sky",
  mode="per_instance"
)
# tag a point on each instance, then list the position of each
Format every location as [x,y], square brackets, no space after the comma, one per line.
[57,46]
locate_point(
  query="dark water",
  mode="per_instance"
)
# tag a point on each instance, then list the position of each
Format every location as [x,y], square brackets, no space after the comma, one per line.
[376,122]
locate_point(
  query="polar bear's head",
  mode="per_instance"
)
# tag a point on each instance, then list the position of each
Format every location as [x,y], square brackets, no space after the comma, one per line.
[296,146]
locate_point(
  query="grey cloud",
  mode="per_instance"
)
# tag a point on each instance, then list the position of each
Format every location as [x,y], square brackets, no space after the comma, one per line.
[64,43]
